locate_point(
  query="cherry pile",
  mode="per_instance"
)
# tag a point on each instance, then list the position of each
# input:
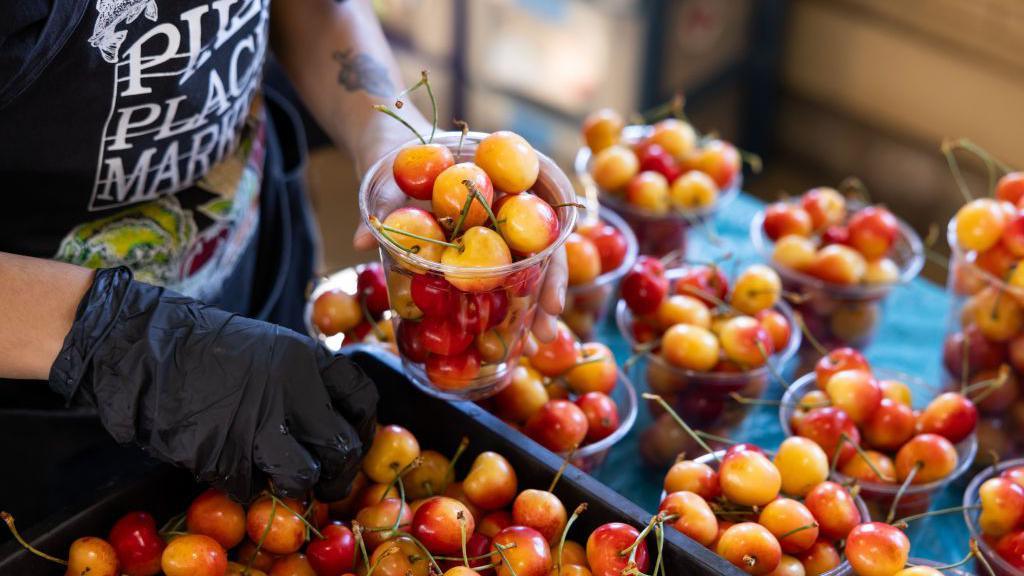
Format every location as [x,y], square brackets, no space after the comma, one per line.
[669,169]
[407,514]
[595,248]
[561,395]
[361,317]
[1001,520]
[870,431]
[816,236]
[698,323]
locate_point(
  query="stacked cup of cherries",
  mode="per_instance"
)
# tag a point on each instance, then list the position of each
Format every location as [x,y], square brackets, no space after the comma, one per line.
[466,253]
[842,262]
[659,178]
[570,398]
[598,253]
[350,306]
[865,421]
[406,514]
[699,341]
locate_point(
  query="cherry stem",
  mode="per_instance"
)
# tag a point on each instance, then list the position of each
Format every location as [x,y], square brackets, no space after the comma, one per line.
[263,536]
[561,469]
[855,187]
[673,107]
[902,522]
[958,563]
[480,557]
[815,343]
[716,437]
[501,553]
[989,386]
[401,504]
[954,167]
[174,524]
[565,533]
[969,145]
[771,365]
[570,204]
[463,212]
[753,401]
[797,529]
[483,202]
[864,455]
[387,552]
[704,226]
[659,532]
[981,557]
[381,226]
[899,493]
[464,127]
[433,102]
[753,160]
[390,112]
[9,520]
[422,548]
[835,457]
[463,444]
[416,462]
[639,351]
[462,536]
[675,416]
[309,526]
[373,326]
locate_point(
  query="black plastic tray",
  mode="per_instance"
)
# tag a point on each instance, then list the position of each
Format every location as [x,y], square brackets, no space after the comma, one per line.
[438,424]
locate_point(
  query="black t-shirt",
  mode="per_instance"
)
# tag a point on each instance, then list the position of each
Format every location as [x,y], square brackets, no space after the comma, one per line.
[131,132]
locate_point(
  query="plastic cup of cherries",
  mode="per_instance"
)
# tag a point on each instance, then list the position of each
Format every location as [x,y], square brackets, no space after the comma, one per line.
[840,257]
[350,306]
[598,254]
[661,179]
[699,342]
[894,435]
[467,224]
[994,512]
[571,398]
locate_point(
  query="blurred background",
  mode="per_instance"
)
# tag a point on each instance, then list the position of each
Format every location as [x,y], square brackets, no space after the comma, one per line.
[821,89]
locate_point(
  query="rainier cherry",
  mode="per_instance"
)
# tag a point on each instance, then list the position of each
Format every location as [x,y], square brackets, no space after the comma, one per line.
[393,449]
[479,247]
[542,511]
[834,509]
[795,252]
[416,167]
[692,190]
[757,288]
[859,468]
[436,524]
[838,264]
[826,426]
[584,261]
[784,219]
[216,515]
[606,545]
[602,128]
[951,415]
[855,392]
[287,531]
[826,207]
[527,223]
[696,519]
[595,370]
[877,549]
[559,426]
[192,555]
[450,194]
[1002,506]
[802,465]
[491,482]
[556,357]
[649,190]
[336,311]
[419,222]
[836,361]
[749,479]
[872,231]
[610,243]
[690,476]
[750,547]
[889,426]
[602,415]
[933,456]
[509,160]
[677,137]
[614,167]
[525,552]
[782,517]
[690,347]
[745,341]
[717,159]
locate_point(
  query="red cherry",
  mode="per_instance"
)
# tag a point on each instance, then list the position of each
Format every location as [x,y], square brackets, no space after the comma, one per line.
[872,231]
[436,524]
[602,415]
[333,554]
[703,281]
[654,157]
[477,546]
[482,311]
[825,426]
[835,235]
[373,289]
[213,513]
[610,243]
[416,167]
[410,342]
[444,336]
[782,219]
[454,372]
[1011,548]
[433,295]
[137,543]
[951,415]
[982,353]
[642,289]
[1010,187]
[606,544]
[526,551]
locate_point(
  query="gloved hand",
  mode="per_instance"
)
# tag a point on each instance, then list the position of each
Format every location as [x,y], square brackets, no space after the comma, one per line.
[235,400]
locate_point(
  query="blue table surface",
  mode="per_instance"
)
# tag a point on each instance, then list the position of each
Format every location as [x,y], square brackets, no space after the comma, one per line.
[909,339]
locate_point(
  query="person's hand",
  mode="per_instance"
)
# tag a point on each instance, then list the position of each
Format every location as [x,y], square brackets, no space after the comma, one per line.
[237,401]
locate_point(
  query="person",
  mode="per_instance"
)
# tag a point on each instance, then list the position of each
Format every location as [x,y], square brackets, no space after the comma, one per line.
[155,244]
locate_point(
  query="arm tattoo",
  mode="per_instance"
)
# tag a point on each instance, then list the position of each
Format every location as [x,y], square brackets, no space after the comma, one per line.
[360,71]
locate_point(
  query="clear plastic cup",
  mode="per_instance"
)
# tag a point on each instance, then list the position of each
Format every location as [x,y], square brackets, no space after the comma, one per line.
[835,314]
[702,398]
[916,498]
[508,293]
[1001,421]
[844,568]
[587,305]
[590,457]
[656,234]
[1000,566]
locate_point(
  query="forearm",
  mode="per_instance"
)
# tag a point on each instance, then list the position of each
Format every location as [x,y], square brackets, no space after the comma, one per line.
[339,60]
[38,300]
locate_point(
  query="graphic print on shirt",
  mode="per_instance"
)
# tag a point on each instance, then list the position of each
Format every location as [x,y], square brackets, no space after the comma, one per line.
[181,152]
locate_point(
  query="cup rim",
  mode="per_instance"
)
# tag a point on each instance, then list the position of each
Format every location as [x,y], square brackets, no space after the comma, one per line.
[626,423]
[632,251]
[548,168]
[622,315]
[970,498]
[634,133]
[966,449]
[911,268]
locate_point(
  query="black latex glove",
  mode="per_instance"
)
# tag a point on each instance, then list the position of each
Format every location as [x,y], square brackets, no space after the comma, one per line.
[235,400]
